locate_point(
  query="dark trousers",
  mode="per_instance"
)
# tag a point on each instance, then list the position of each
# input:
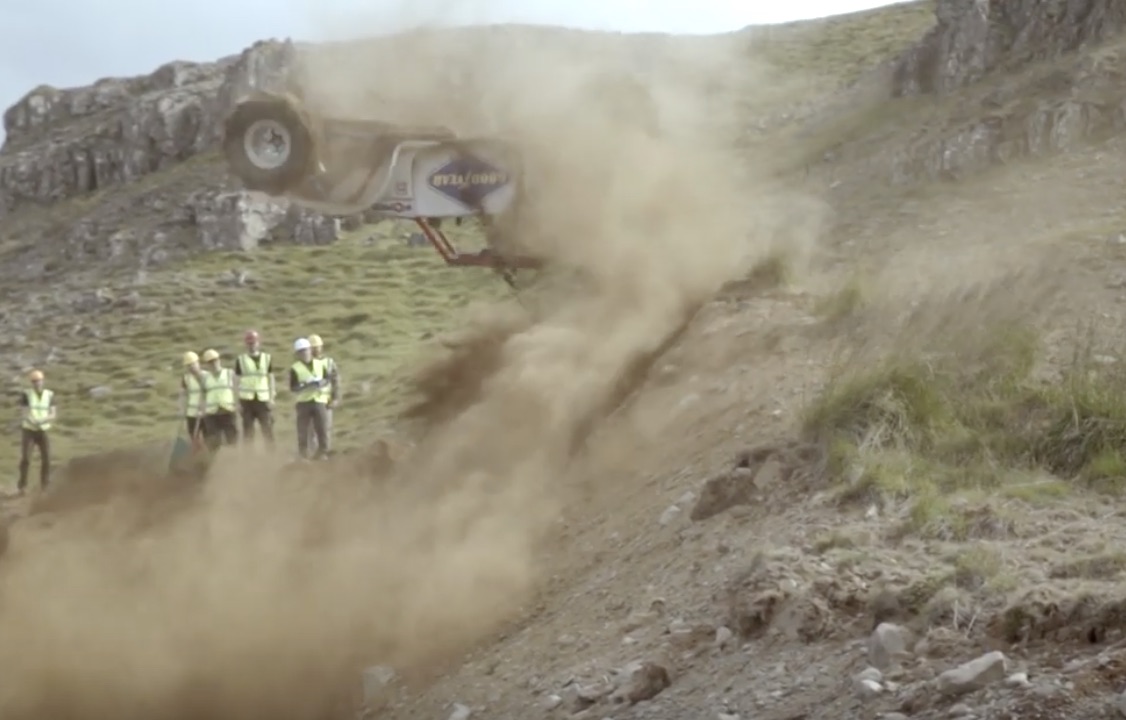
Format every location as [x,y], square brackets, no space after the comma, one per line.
[312,414]
[220,429]
[195,426]
[257,411]
[313,442]
[39,439]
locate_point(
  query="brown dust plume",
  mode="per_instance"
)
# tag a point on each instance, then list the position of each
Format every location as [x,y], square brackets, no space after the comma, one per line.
[233,607]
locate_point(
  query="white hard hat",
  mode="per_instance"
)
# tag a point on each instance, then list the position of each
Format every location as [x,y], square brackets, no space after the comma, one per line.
[301,344]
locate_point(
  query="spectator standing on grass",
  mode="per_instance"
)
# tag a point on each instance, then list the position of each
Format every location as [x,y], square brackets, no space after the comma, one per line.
[331,394]
[307,380]
[192,405]
[39,409]
[256,389]
[220,427]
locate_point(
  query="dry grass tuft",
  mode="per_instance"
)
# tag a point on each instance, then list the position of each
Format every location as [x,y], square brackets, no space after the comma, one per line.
[934,433]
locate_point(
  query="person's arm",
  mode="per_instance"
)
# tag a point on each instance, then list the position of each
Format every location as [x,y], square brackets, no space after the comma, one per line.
[202,395]
[334,377]
[270,379]
[25,407]
[294,385]
[52,409]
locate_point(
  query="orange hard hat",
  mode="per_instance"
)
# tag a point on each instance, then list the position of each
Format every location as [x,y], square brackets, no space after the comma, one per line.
[35,375]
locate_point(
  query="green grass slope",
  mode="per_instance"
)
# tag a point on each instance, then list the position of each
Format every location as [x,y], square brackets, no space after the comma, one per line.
[373,299]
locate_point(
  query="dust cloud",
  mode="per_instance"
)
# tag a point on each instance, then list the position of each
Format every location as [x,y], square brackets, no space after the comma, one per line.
[263,597]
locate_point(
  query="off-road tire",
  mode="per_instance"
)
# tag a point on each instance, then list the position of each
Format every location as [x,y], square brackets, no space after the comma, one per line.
[302,157]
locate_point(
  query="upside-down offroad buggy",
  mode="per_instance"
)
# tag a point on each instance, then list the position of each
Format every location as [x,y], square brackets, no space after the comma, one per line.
[337,166]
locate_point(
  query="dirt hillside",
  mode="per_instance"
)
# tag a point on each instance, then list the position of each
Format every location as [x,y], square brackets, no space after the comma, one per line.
[833,427]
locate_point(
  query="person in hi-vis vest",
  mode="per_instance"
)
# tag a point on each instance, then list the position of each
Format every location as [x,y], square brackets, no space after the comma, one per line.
[192,404]
[38,405]
[219,401]
[331,394]
[307,378]
[256,391]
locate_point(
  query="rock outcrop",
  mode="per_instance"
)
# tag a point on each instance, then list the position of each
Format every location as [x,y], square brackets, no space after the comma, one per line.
[62,145]
[1031,78]
[972,38]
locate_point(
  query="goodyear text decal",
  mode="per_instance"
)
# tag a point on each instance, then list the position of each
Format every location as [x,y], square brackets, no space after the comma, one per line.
[468,180]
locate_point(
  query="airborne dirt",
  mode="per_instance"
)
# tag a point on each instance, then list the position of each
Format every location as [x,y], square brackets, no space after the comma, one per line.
[227,609]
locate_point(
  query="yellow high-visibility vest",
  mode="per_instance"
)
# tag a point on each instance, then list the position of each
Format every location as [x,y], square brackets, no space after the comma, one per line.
[220,389]
[38,408]
[254,383]
[306,374]
[326,391]
[193,394]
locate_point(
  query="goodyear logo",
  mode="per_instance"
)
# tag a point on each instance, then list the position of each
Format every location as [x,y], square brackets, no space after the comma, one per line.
[468,180]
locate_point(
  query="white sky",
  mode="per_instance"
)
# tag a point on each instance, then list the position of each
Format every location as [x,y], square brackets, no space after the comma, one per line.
[75,42]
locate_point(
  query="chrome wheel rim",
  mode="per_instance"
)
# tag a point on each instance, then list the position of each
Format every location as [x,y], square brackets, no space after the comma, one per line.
[267,144]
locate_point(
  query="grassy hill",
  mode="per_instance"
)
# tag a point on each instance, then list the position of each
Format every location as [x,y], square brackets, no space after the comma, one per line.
[373,299]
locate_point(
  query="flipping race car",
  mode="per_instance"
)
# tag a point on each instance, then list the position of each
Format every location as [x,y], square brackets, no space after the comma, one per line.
[341,166]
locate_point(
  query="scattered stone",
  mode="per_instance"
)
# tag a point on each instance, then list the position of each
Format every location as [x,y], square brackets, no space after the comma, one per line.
[975,674]
[1120,703]
[376,679]
[99,392]
[461,712]
[552,702]
[723,636]
[643,681]
[867,688]
[670,514]
[889,644]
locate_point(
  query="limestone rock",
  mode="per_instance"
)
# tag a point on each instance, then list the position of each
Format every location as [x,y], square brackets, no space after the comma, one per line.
[888,644]
[975,674]
[972,38]
[61,144]
[242,220]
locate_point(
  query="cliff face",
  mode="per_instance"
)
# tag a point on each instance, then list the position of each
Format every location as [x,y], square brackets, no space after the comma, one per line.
[993,81]
[67,145]
[63,143]
[973,38]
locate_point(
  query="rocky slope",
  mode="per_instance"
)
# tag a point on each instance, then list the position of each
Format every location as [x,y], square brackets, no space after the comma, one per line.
[974,38]
[754,594]
[989,83]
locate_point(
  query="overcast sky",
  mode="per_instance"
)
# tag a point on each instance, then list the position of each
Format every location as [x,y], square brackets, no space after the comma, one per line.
[74,42]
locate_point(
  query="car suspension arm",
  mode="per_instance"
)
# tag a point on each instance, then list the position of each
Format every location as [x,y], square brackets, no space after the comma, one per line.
[482,258]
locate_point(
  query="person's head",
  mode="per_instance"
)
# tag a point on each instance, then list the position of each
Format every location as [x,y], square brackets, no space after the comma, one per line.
[251,340]
[317,345]
[210,359]
[35,377]
[303,349]
[191,362]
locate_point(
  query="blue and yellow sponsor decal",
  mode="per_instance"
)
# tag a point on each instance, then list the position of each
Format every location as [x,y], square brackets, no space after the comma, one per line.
[468,180]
